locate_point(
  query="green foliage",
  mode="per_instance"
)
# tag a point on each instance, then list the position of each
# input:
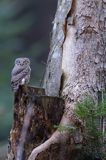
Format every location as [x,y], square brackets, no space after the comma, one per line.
[91,115]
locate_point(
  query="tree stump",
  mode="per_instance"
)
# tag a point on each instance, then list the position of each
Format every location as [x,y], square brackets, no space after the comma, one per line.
[34,117]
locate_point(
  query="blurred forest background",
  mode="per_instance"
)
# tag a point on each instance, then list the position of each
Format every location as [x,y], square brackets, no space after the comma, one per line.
[25,28]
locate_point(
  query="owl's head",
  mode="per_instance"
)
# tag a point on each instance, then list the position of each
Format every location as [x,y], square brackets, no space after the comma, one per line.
[22,62]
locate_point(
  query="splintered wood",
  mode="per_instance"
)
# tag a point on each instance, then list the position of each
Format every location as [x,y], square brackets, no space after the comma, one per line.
[35,115]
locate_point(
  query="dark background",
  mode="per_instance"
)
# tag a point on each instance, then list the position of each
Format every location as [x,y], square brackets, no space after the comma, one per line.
[25,31]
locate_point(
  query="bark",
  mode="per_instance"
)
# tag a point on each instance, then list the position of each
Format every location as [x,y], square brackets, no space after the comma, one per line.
[78,47]
[53,74]
[34,121]
[83,50]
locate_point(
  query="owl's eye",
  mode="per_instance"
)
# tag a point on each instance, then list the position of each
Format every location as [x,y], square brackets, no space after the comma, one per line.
[17,62]
[26,62]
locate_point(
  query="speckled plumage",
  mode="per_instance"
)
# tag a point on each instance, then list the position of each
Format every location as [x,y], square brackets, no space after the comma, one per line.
[21,73]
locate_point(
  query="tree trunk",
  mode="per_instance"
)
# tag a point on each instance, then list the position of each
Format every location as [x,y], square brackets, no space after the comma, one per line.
[34,121]
[76,68]
[76,65]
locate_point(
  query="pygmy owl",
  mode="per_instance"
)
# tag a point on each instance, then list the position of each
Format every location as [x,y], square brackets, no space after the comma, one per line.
[21,73]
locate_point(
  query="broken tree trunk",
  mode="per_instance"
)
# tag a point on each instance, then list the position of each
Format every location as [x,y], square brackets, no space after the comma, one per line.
[35,115]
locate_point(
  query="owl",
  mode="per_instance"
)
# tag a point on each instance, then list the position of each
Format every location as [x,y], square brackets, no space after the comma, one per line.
[21,73]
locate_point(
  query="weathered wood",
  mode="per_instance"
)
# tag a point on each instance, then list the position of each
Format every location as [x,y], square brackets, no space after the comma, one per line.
[46,112]
[52,80]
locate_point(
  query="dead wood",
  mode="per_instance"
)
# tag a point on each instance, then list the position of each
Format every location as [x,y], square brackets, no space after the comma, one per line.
[38,122]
